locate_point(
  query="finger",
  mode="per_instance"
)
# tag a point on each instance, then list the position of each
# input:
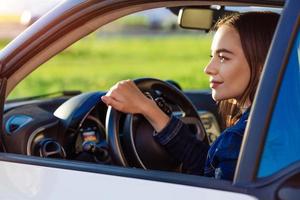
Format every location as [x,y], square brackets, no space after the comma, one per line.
[113,103]
[116,94]
[108,99]
[105,99]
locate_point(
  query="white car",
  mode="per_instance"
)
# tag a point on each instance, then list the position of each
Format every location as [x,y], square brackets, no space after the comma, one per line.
[45,142]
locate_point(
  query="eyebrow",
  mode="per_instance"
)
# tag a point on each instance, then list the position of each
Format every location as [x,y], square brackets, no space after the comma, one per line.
[223,50]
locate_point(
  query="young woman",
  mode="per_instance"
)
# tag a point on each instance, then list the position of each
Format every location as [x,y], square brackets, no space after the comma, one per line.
[238,53]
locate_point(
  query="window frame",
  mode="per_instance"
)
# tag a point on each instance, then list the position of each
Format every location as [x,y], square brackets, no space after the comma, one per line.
[265,100]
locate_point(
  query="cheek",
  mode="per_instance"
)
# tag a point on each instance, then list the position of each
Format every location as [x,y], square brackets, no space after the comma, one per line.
[236,79]
[240,76]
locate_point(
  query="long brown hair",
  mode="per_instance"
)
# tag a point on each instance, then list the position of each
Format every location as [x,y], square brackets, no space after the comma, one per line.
[256,31]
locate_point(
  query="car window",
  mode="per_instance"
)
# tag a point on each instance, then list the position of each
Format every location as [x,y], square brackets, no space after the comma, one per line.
[282,143]
[144,44]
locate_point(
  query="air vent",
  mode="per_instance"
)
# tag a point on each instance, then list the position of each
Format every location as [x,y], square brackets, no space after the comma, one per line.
[15,122]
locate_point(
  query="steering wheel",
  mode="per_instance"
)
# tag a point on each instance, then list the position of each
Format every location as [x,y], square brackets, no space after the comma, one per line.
[132,142]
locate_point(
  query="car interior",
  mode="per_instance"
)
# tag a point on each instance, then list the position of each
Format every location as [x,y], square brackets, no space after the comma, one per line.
[78,126]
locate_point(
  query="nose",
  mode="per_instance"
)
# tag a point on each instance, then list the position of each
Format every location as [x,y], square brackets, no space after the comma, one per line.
[211,68]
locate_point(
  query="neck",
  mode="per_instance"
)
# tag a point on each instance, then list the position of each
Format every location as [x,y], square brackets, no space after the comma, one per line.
[245,105]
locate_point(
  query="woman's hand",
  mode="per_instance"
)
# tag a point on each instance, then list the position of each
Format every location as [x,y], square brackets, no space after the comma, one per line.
[126,97]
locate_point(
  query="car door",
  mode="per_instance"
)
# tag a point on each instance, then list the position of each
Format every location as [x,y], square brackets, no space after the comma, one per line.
[24,177]
[272,139]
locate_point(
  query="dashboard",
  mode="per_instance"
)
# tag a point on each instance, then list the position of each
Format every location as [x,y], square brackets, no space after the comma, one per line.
[68,128]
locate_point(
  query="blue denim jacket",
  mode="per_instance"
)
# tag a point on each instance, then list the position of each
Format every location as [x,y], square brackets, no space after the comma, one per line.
[218,160]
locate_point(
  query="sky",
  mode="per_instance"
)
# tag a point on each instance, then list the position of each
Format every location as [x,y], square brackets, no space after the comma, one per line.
[40,7]
[18,6]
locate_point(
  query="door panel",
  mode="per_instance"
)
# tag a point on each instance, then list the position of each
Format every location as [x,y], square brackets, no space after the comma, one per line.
[22,181]
[282,143]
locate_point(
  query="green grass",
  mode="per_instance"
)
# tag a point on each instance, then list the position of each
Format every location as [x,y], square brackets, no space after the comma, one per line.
[3,42]
[96,63]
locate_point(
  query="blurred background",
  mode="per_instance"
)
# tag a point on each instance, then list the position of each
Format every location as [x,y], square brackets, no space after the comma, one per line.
[16,15]
[145,44]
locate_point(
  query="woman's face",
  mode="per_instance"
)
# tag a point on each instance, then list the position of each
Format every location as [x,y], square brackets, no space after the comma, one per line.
[228,68]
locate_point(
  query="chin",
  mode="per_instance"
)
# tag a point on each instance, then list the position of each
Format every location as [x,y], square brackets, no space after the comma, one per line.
[218,97]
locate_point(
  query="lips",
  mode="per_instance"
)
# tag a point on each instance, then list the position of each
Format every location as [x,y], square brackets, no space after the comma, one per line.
[214,84]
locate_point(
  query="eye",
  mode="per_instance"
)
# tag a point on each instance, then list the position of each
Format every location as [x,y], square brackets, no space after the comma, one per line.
[222,58]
